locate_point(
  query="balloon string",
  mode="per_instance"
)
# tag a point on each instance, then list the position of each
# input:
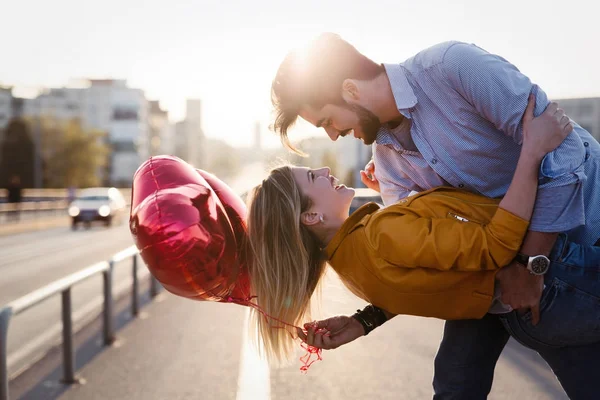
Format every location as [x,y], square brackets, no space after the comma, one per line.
[312,355]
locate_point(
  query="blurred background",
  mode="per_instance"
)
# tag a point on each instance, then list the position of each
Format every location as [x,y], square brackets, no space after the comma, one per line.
[90,90]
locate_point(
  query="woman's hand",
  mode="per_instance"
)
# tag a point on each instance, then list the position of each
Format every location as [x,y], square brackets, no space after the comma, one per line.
[331,333]
[367,176]
[546,132]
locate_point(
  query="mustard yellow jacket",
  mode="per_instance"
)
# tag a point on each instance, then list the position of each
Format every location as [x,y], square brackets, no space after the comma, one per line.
[434,254]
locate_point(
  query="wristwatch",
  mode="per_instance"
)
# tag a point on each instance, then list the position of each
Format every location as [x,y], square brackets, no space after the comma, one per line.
[537,265]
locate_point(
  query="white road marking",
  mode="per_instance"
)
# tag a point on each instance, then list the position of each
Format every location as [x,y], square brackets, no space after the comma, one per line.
[254,378]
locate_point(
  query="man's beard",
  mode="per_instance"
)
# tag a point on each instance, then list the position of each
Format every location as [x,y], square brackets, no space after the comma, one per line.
[369,123]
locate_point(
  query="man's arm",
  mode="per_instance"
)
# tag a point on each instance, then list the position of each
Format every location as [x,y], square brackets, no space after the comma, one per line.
[521,289]
[499,92]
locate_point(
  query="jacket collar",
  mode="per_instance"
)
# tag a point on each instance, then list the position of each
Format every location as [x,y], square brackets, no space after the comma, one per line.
[348,226]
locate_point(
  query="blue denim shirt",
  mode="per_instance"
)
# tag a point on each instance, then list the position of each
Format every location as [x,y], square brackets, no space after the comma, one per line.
[465,106]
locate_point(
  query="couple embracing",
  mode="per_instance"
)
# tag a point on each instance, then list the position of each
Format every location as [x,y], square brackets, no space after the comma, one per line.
[491,219]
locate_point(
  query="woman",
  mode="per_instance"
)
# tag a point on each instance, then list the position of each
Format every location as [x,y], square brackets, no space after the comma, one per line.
[434,254]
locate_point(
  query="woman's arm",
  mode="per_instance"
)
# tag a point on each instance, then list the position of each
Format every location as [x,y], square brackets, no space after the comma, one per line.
[417,242]
[540,136]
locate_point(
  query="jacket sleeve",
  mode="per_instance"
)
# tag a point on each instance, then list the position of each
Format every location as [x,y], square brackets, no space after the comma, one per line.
[446,243]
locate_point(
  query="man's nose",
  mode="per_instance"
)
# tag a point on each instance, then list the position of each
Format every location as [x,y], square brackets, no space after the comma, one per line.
[332,133]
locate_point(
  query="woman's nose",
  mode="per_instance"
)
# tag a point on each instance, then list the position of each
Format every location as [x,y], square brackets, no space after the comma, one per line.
[325,171]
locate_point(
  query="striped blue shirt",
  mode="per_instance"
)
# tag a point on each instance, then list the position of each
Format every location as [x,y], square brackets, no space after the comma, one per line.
[463,109]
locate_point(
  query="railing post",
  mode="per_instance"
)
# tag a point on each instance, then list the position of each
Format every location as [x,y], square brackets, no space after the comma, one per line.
[134,298]
[5,314]
[153,286]
[68,353]
[108,305]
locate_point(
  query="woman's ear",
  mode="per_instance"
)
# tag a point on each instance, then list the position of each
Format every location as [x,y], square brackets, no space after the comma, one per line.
[350,91]
[310,218]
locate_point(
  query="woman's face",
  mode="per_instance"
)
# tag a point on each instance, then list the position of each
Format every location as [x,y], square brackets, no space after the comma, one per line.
[326,196]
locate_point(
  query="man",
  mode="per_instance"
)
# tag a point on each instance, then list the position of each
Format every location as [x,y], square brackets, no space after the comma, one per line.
[450,115]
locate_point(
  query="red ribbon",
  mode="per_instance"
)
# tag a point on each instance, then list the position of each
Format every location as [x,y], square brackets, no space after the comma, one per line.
[311,352]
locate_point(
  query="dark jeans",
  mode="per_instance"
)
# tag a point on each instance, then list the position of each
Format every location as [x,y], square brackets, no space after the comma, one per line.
[567,337]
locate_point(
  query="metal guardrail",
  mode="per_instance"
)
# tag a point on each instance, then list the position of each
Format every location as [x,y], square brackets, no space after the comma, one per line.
[53,193]
[34,206]
[63,286]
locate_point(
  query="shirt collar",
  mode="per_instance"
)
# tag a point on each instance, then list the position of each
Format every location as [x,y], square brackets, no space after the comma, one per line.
[348,226]
[403,93]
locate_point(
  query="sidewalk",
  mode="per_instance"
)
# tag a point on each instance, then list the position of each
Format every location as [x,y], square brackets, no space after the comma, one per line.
[178,349]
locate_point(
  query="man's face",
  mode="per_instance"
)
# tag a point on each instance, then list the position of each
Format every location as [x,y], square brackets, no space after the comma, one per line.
[341,120]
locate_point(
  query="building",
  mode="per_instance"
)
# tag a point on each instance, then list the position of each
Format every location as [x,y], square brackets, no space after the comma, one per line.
[6,99]
[190,142]
[161,132]
[584,111]
[108,105]
[123,113]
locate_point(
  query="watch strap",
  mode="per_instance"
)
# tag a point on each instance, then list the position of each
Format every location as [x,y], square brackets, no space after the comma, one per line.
[522,259]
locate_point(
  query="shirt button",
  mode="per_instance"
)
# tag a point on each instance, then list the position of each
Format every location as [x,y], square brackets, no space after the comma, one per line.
[586,144]
[461,185]
[434,160]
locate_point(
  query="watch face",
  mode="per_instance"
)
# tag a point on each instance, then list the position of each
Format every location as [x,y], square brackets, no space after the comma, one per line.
[539,265]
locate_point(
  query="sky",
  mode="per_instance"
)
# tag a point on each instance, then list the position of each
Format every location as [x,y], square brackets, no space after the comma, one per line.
[226,52]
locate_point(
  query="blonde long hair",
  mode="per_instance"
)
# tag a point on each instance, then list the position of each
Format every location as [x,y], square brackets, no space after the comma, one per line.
[287,261]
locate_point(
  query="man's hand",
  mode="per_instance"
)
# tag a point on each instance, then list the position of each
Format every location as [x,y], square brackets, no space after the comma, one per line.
[368,176]
[331,333]
[521,290]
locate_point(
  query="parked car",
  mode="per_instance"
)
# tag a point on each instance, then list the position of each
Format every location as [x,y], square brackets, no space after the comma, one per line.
[98,204]
[363,196]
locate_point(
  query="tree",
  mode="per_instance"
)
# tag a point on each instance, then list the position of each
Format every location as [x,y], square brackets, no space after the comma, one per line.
[73,156]
[17,156]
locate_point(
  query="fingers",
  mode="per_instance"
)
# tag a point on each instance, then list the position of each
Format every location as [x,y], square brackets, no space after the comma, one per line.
[301,334]
[552,108]
[368,182]
[370,168]
[535,314]
[319,338]
[316,325]
[528,116]
[559,113]
[310,335]
[565,123]
[569,128]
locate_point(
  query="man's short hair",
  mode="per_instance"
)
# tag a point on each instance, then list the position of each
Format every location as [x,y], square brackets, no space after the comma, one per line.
[314,76]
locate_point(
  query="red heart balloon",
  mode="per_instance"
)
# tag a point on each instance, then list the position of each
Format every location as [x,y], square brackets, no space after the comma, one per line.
[190,229]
